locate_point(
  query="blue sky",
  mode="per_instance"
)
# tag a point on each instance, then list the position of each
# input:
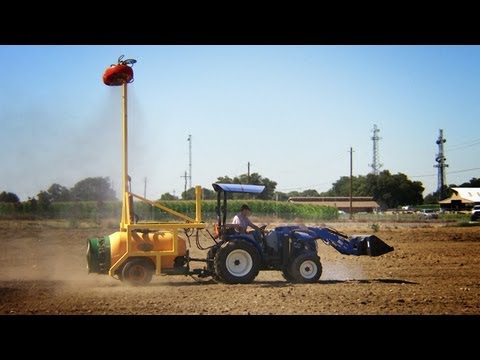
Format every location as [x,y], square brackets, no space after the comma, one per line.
[293,112]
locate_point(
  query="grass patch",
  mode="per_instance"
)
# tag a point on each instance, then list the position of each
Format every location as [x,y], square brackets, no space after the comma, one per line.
[467,224]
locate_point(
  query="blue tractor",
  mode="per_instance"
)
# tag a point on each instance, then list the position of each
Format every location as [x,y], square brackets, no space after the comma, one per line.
[237,258]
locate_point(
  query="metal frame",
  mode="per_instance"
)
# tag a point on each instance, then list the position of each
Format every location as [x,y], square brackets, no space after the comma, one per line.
[127,226]
[224,189]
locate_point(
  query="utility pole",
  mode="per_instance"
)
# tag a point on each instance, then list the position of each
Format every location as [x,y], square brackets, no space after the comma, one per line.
[189,161]
[145,188]
[247,196]
[351,183]
[440,159]
[185,177]
[276,204]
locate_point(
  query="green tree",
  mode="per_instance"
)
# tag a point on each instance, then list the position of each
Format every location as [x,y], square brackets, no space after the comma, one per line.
[225,180]
[282,196]
[342,187]
[44,201]
[31,205]
[391,191]
[253,179]
[168,196]
[474,182]
[207,194]
[294,194]
[9,197]
[58,193]
[433,197]
[93,189]
[310,192]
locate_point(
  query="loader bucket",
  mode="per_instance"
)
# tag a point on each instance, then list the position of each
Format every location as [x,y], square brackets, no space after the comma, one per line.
[370,245]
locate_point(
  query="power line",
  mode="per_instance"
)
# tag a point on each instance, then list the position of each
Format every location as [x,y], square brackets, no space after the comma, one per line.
[466,142]
[450,172]
[464,145]
[460,171]
[419,176]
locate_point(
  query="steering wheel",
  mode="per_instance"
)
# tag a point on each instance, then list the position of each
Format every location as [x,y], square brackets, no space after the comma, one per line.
[262,229]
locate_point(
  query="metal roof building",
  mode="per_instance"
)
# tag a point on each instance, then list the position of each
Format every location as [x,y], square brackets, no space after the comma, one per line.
[462,198]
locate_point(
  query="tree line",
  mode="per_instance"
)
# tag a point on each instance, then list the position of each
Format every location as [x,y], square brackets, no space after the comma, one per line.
[90,189]
[389,190]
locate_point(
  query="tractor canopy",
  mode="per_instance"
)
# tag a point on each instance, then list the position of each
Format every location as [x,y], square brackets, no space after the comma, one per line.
[239,188]
[223,190]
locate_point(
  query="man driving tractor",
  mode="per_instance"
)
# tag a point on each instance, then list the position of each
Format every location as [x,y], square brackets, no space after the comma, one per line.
[241,222]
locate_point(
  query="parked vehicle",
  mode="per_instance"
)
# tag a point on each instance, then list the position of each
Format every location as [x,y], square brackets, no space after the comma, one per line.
[428,214]
[475,213]
[475,209]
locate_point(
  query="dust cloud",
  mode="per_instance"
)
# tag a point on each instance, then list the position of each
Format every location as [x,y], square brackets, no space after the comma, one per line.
[347,270]
[45,146]
[44,251]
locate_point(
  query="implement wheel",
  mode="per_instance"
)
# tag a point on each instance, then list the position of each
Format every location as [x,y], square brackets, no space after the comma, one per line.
[137,272]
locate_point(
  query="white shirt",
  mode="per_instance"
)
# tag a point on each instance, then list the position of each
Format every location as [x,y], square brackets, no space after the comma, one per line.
[243,221]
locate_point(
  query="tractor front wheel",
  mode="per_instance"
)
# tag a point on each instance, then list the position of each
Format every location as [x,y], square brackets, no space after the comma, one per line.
[237,262]
[305,268]
[137,272]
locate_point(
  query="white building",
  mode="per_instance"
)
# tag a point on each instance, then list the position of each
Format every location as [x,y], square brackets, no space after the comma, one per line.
[463,198]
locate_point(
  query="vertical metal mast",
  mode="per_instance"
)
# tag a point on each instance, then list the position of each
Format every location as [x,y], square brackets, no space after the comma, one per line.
[189,161]
[376,159]
[440,159]
[125,215]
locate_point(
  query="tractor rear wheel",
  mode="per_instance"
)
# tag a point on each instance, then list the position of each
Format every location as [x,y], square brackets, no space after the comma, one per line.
[137,272]
[286,275]
[237,262]
[306,268]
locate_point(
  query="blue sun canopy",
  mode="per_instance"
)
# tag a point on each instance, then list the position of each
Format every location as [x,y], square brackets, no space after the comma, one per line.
[239,188]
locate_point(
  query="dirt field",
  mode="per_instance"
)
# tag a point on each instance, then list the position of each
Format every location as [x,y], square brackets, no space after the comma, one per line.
[434,269]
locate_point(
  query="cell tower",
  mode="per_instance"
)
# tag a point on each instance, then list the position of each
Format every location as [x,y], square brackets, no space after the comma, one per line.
[440,159]
[375,165]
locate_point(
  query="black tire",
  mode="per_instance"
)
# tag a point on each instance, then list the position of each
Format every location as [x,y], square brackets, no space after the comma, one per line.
[306,268]
[286,275]
[137,272]
[211,256]
[210,264]
[237,262]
